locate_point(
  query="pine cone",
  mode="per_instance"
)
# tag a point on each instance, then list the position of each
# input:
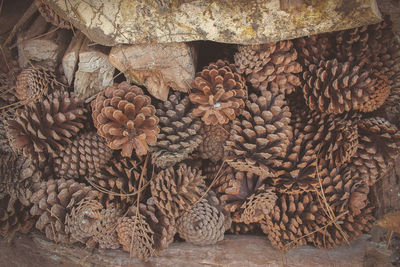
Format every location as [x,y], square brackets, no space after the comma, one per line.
[124,116]
[45,127]
[90,223]
[85,156]
[352,44]
[14,217]
[270,66]
[120,179]
[202,225]
[314,48]
[4,144]
[214,137]
[219,91]
[51,16]
[242,228]
[335,87]
[260,135]
[178,135]
[53,200]
[379,145]
[17,177]
[175,189]
[34,83]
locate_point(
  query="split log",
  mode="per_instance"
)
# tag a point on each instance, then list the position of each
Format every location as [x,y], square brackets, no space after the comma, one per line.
[71,56]
[42,43]
[157,66]
[95,72]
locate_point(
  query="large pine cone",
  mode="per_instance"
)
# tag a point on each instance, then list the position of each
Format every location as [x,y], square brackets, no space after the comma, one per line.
[219,91]
[202,225]
[179,131]
[124,116]
[379,145]
[90,223]
[34,83]
[314,48]
[120,179]
[334,87]
[53,200]
[14,217]
[51,16]
[176,189]
[17,177]
[45,127]
[261,134]
[271,66]
[85,156]
[214,137]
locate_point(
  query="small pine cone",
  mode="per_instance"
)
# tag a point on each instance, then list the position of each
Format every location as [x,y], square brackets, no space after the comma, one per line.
[45,127]
[293,220]
[178,136]
[51,16]
[242,228]
[202,225]
[4,143]
[352,44]
[34,83]
[17,177]
[314,48]
[270,66]
[334,87]
[120,179]
[53,200]
[90,223]
[85,156]
[175,189]
[214,137]
[136,236]
[378,93]
[124,116]
[379,145]
[219,93]
[260,135]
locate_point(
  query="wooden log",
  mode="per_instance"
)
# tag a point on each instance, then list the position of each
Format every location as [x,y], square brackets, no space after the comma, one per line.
[71,56]
[95,72]
[157,66]
[42,43]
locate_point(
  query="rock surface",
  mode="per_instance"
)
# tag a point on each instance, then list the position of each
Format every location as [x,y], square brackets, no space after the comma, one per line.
[157,66]
[111,22]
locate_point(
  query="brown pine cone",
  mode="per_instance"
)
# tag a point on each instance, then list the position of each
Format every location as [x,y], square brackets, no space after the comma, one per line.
[178,136]
[176,189]
[202,225]
[260,135]
[53,200]
[84,157]
[45,127]
[219,93]
[124,116]
[51,16]
[90,223]
[120,179]
[314,48]
[379,145]
[271,66]
[17,177]
[4,143]
[352,44]
[34,83]
[214,137]
[244,229]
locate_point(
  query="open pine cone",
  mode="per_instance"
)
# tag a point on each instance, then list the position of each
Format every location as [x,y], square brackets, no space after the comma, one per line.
[124,116]
[314,48]
[379,145]
[218,91]
[178,136]
[90,223]
[85,156]
[45,127]
[51,16]
[176,189]
[214,137]
[271,66]
[53,200]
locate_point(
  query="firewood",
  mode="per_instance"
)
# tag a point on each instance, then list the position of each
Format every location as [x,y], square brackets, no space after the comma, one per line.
[70,58]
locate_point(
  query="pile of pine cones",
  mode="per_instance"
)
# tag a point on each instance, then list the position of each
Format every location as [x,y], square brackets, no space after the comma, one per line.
[286,140]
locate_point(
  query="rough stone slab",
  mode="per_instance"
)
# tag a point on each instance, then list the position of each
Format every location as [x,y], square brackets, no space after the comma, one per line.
[35,250]
[111,22]
[157,66]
